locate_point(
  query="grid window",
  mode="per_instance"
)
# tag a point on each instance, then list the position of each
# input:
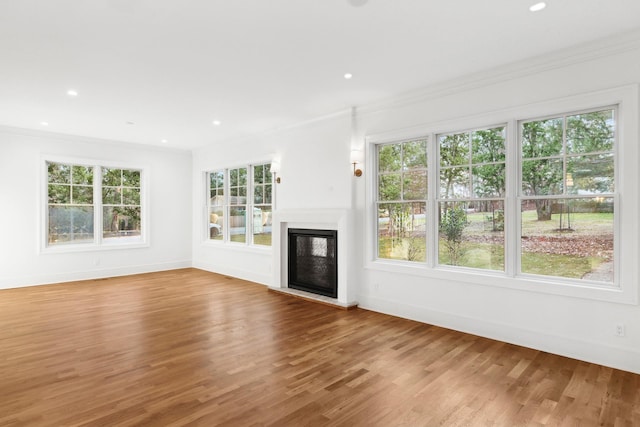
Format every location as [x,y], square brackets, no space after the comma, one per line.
[567,202]
[232,193]
[471,205]
[401,200]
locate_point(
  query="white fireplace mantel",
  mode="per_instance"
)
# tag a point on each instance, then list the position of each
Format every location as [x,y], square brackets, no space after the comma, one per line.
[322,219]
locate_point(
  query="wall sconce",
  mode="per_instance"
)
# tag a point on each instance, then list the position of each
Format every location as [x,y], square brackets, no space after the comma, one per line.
[355,160]
[275,170]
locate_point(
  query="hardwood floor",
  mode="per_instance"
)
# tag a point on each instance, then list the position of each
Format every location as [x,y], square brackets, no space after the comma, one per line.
[188,347]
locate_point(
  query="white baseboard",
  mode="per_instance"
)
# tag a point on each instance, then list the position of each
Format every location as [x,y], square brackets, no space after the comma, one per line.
[615,357]
[235,272]
[45,279]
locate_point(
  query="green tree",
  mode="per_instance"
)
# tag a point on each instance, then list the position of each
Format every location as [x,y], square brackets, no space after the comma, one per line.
[542,175]
[452,224]
[488,158]
[454,161]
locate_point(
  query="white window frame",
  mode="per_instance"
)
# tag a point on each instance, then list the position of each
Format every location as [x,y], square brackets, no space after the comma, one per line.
[627,200]
[98,243]
[250,203]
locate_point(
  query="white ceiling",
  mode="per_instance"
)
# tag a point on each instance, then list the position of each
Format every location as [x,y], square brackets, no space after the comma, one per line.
[174,66]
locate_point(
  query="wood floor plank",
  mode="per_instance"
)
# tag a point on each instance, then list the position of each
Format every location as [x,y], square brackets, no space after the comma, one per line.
[188,347]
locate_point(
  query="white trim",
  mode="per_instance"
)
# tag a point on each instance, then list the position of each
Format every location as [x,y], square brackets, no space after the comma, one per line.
[594,352]
[562,58]
[627,178]
[47,279]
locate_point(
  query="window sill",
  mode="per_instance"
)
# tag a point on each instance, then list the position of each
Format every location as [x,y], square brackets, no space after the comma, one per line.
[90,247]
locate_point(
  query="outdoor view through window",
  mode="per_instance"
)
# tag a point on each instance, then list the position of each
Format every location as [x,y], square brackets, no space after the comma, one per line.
[563,180]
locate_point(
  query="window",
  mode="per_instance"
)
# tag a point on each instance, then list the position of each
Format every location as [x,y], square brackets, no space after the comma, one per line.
[402,200]
[70,204]
[238,205]
[232,193]
[121,207]
[262,210]
[92,204]
[553,200]
[471,200]
[216,205]
[567,202]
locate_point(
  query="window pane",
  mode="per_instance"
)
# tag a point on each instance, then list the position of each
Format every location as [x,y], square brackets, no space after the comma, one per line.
[216,220]
[488,145]
[82,195]
[542,138]
[111,196]
[454,149]
[131,178]
[542,177]
[414,155]
[242,176]
[590,132]
[59,173]
[590,174]
[70,224]
[233,177]
[262,225]
[401,231]
[389,187]
[111,177]
[130,196]
[120,222]
[82,175]
[415,185]
[267,194]
[389,158]
[59,194]
[258,194]
[471,234]
[238,224]
[570,238]
[454,182]
[489,180]
[258,174]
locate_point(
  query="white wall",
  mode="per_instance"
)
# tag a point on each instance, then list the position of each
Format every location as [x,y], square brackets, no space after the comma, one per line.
[314,174]
[577,327]
[170,216]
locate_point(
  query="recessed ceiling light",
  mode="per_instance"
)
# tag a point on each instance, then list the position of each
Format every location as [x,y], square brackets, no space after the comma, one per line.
[72,92]
[216,123]
[348,76]
[538,7]
[164,141]
[44,123]
[131,123]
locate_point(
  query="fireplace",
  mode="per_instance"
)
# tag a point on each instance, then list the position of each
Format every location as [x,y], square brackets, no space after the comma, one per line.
[313,261]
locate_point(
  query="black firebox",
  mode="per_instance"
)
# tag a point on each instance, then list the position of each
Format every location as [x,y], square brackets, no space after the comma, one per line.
[313,261]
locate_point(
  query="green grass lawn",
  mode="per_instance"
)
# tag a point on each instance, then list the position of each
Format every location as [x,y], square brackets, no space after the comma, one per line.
[490,256]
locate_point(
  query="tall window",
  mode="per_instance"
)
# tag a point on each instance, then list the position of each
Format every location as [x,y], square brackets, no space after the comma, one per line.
[232,194]
[471,201]
[121,208]
[262,210]
[238,205]
[567,195]
[92,204]
[553,200]
[70,204]
[216,205]
[401,200]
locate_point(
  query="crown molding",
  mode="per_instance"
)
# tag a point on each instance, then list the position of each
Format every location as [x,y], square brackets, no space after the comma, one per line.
[577,54]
